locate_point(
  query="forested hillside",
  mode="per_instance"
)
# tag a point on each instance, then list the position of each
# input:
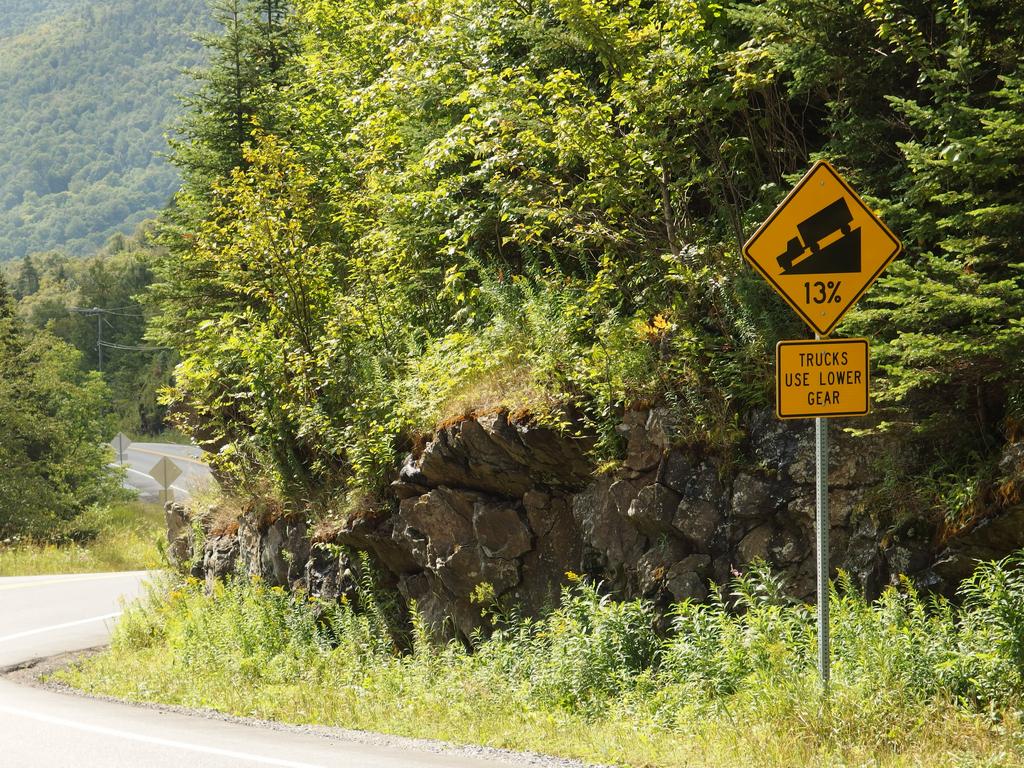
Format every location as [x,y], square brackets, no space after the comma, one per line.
[400,214]
[22,15]
[89,90]
[61,294]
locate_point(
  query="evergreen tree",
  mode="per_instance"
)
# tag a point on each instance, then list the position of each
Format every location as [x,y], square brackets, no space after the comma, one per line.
[7,308]
[948,321]
[235,90]
[237,94]
[28,279]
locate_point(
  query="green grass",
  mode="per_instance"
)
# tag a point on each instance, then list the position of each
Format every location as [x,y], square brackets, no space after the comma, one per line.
[916,682]
[120,537]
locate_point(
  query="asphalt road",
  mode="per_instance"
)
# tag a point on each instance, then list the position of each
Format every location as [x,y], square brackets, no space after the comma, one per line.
[41,728]
[140,458]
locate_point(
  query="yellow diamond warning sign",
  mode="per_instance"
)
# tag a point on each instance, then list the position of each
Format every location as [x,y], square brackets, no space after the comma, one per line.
[821,378]
[822,248]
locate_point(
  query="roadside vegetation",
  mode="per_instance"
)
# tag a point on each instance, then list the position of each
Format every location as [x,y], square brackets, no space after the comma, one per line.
[123,536]
[54,423]
[916,681]
[396,214]
[51,291]
[63,508]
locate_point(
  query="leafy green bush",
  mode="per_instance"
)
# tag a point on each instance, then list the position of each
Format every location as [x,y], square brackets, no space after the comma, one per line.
[122,536]
[53,429]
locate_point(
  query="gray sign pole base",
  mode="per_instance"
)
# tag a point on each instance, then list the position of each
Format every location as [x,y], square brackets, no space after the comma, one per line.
[822,525]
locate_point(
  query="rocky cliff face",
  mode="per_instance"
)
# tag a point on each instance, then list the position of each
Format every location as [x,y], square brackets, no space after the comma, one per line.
[515,506]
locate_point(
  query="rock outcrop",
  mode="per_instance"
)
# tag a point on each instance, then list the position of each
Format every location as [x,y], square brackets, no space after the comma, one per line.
[487,501]
[179,534]
[514,506]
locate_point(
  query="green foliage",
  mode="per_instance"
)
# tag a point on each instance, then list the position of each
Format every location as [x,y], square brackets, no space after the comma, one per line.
[53,427]
[89,88]
[915,681]
[112,280]
[950,318]
[255,314]
[122,536]
[539,207]
[249,55]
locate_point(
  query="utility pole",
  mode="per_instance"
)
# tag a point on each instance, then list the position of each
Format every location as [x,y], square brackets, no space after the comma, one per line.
[100,314]
[99,337]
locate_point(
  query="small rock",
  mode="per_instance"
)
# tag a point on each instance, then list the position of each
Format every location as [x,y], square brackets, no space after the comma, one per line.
[600,514]
[756,544]
[687,579]
[750,497]
[642,454]
[653,568]
[698,521]
[500,530]
[653,508]
[661,428]
[677,472]
[179,534]
[220,554]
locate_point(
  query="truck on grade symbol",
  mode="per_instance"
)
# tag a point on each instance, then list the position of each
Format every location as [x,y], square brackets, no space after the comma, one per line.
[842,255]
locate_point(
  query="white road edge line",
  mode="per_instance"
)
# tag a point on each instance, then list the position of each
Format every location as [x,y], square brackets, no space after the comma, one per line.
[137,472]
[103,731]
[41,630]
[46,580]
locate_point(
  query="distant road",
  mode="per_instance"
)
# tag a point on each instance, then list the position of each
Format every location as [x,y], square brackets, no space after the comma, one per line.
[42,728]
[140,458]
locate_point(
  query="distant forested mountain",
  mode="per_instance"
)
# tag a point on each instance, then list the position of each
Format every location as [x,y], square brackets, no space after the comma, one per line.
[89,88]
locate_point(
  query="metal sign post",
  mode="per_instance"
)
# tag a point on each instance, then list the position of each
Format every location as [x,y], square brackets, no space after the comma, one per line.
[120,444]
[822,526]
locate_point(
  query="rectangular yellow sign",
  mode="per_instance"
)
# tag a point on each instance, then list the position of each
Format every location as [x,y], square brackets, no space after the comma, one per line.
[828,377]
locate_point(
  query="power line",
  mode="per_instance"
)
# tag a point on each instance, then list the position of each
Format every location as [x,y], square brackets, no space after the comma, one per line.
[130,348]
[98,313]
[117,311]
[106,310]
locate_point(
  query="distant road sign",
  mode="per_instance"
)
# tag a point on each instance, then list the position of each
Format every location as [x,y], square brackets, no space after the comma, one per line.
[829,377]
[821,248]
[165,472]
[120,444]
